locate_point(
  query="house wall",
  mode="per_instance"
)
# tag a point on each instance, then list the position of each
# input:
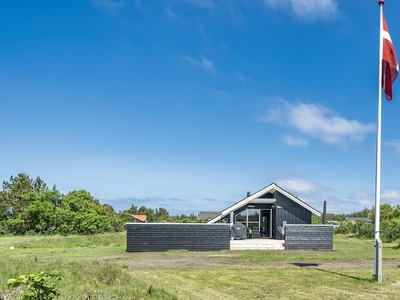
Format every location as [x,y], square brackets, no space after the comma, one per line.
[157,237]
[289,211]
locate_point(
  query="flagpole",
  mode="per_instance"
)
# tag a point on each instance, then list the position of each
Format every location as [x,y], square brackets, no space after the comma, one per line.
[378,243]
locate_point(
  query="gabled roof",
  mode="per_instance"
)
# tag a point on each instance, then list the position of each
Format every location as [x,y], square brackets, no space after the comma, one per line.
[268,189]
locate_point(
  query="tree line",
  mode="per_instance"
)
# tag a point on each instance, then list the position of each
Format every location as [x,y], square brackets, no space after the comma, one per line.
[389,225]
[29,206]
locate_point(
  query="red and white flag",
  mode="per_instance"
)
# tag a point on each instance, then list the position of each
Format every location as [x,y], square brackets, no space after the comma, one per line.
[390,65]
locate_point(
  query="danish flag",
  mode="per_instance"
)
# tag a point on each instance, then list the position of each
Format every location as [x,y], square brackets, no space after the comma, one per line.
[390,65]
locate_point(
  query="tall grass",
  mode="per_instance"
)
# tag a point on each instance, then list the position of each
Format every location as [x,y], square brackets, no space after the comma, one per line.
[54,241]
[84,276]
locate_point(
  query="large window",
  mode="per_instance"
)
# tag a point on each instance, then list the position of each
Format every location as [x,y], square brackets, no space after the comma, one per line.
[249,218]
[242,217]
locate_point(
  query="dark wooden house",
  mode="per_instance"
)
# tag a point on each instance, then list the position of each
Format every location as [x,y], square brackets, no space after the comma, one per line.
[265,211]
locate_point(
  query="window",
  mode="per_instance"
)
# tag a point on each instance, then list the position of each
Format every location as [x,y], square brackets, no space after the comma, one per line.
[242,217]
[249,218]
[253,218]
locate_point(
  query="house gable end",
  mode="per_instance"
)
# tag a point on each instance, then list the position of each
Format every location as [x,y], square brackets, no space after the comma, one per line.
[269,192]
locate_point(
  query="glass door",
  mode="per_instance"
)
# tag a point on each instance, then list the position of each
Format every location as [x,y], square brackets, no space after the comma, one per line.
[266,223]
[249,218]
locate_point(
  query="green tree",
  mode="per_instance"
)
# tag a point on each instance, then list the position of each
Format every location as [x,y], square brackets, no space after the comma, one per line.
[12,197]
[41,213]
[82,201]
[83,214]
[161,215]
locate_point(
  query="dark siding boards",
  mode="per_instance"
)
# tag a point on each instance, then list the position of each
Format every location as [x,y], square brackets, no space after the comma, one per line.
[289,211]
[157,237]
[309,237]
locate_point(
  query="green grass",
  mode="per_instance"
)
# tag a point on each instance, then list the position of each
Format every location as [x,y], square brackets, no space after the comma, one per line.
[83,263]
[345,248]
[97,267]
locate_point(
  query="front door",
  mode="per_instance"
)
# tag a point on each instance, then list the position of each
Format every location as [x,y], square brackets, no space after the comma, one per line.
[266,223]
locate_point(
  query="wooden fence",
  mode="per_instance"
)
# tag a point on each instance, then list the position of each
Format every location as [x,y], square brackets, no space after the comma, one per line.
[158,237]
[308,237]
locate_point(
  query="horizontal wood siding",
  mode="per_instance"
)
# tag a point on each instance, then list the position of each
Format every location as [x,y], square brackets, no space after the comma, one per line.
[308,237]
[158,237]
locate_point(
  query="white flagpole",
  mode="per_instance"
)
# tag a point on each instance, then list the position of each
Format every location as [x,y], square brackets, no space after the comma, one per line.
[378,244]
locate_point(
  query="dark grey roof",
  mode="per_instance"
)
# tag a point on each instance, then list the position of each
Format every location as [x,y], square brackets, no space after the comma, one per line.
[351,219]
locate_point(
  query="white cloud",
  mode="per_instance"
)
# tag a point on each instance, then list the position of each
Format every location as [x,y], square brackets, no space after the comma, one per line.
[390,196]
[110,6]
[395,144]
[321,9]
[295,141]
[364,199]
[204,63]
[318,121]
[298,186]
[306,9]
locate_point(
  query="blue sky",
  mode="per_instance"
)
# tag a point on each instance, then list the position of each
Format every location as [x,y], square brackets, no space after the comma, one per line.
[189,104]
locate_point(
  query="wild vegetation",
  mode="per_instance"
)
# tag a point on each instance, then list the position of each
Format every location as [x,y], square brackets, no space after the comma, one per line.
[389,226]
[88,265]
[29,206]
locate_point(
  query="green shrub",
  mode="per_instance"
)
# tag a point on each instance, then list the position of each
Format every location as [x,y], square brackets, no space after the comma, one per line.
[36,285]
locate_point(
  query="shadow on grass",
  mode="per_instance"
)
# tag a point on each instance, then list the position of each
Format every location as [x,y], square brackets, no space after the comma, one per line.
[315,265]
[305,265]
[345,275]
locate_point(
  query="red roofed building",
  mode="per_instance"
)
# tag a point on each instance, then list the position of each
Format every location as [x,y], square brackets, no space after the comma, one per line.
[139,218]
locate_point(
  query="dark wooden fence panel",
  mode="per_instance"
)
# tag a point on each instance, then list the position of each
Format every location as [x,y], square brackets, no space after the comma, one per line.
[157,237]
[308,237]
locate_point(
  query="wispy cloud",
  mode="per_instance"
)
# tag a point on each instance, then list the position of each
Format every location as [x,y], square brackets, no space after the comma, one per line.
[317,121]
[201,3]
[308,10]
[364,199]
[170,13]
[204,63]
[295,141]
[388,196]
[243,77]
[109,6]
[395,144]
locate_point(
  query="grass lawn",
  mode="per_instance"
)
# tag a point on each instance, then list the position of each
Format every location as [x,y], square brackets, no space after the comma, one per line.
[97,267]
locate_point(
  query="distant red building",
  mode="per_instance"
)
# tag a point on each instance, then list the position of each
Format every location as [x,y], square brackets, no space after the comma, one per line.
[139,218]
